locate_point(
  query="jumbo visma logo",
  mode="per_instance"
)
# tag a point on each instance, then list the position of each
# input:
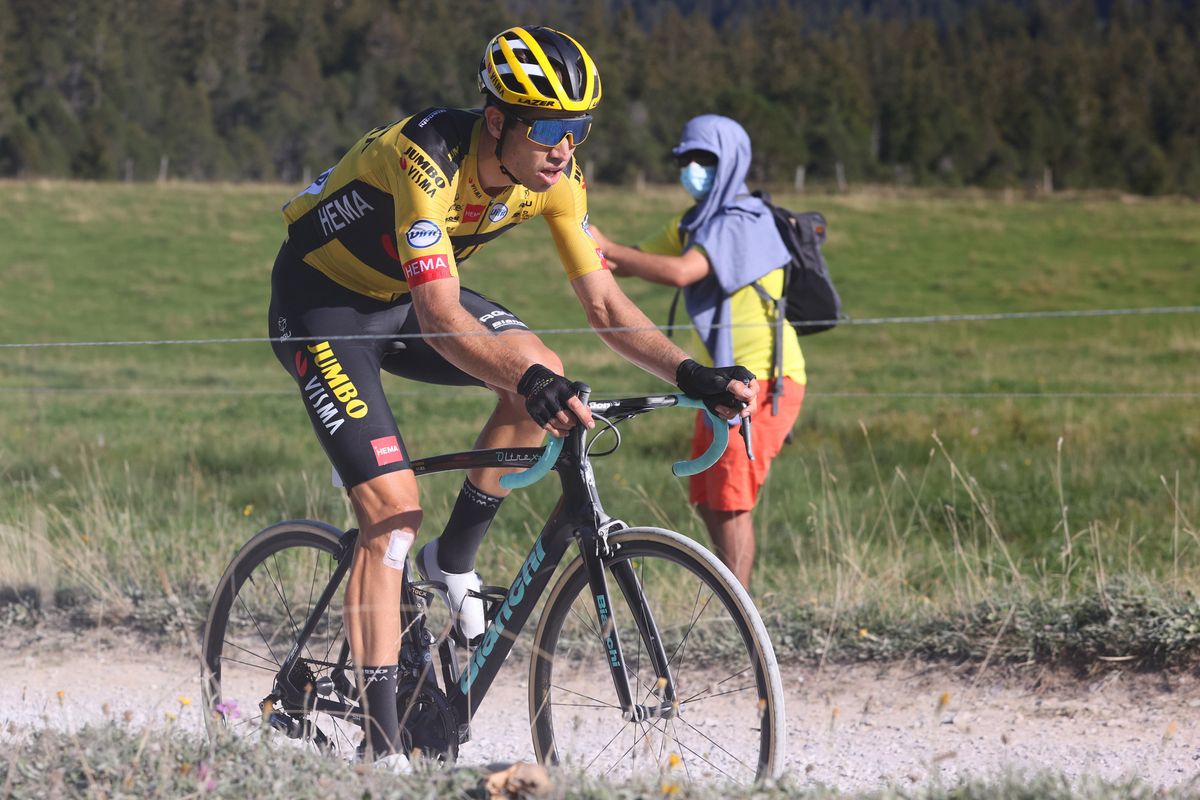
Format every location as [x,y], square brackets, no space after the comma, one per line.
[332,392]
[516,594]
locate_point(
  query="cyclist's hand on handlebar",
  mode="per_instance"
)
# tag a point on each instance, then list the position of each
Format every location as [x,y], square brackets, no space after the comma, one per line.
[553,401]
[726,391]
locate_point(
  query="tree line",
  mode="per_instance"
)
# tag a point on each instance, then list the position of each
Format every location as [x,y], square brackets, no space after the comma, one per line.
[988,93]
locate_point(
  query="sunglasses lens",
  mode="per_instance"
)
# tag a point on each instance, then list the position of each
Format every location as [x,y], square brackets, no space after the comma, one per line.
[549,132]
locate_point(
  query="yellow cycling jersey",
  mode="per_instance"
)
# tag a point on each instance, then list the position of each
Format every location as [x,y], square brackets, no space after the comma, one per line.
[752,319]
[404,206]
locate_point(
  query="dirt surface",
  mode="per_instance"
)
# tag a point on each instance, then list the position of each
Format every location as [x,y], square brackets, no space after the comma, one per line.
[856,727]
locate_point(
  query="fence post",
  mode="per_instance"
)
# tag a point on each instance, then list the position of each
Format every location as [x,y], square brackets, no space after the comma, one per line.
[1047,180]
[163,163]
[798,180]
[841,176]
[129,170]
[640,181]
[307,176]
[589,172]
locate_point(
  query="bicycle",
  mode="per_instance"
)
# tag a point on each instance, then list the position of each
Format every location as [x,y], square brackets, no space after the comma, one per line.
[673,667]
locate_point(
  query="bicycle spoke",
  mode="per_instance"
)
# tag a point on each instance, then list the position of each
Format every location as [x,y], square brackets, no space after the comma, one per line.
[644,729]
[701,697]
[605,747]
[258,627]
[691,626]
[702,694]
[687,764]
[599,703]
[249,652]
[704,758]
[589,621]
[311,589]
[329,616]
[248,664]
[287,607]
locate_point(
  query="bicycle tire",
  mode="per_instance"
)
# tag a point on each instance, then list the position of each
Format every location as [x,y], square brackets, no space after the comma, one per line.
[728,722]
[258,608]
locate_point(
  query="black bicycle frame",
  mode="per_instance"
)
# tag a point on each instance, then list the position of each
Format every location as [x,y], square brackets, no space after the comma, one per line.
[578,516]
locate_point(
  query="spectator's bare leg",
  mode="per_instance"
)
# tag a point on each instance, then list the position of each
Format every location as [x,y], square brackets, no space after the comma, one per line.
[732,534]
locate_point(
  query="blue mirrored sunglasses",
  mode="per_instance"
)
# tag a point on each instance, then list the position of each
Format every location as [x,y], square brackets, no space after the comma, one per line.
[549,132]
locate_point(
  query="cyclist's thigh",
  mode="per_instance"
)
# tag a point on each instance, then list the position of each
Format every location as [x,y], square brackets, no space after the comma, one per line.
[339,379]
[417,360]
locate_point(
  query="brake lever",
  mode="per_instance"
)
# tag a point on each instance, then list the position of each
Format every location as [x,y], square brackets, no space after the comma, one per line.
[746,437]
[745,430]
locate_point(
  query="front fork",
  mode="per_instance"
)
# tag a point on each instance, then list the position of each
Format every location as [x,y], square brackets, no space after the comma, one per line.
[597,553]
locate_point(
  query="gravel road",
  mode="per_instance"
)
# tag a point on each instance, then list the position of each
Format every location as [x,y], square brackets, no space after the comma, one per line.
[857,727]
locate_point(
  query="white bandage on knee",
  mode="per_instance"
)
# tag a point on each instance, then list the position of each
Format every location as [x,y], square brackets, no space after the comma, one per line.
[399,543]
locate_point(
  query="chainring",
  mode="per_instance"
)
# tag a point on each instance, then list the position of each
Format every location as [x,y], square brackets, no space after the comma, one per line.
[429,724]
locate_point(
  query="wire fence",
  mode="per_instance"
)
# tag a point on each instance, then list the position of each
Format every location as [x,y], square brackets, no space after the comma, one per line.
[464,391]
[187,392]
[902,320]
[157,391]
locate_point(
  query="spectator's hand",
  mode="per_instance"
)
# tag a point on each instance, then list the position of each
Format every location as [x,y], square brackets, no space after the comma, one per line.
[726,391]
[602,241]
[606,246]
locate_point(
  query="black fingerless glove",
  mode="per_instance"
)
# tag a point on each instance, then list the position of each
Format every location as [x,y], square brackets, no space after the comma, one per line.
[545,392]
[708,383]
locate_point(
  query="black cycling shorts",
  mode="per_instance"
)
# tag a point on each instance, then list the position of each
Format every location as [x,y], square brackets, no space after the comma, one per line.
[339,379]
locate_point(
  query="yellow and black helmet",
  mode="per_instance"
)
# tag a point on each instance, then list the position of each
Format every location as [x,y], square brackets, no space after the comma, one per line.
[539,68]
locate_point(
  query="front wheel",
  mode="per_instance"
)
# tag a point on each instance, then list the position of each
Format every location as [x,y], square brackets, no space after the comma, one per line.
[717,712]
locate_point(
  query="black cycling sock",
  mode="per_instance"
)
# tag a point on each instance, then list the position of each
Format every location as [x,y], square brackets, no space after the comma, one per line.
[469,521]
[383,726]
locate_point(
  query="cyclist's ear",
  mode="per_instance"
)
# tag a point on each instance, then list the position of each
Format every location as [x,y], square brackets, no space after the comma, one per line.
[493,118]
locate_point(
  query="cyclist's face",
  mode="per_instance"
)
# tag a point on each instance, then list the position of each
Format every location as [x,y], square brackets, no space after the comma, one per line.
[536,166]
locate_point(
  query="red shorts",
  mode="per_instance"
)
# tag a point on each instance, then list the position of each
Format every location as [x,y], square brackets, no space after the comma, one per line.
[733,482]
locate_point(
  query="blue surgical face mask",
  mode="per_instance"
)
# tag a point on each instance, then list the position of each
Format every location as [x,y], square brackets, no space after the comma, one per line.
[697,180]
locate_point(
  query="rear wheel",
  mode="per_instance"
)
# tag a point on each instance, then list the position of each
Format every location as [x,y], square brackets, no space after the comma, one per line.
[717,713]
[262,602]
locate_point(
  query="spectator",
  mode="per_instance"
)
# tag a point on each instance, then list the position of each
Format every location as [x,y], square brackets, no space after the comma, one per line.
[715,251]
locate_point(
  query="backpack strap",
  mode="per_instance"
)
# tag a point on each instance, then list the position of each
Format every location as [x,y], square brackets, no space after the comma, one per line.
[671,312]
[779,304]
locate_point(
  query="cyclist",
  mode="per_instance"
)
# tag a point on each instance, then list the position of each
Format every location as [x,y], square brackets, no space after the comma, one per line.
[722,252]
[374,247]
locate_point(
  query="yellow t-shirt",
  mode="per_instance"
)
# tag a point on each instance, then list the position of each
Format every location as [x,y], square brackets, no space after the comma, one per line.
[753,319]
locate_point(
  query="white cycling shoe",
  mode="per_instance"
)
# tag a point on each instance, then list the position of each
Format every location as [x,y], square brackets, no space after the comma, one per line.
[468,611]
[395,763]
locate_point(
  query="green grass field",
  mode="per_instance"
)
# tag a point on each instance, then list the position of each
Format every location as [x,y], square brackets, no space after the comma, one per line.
[951,471]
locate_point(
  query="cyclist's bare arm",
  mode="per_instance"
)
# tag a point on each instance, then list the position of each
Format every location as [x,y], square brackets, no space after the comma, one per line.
[489,358]
[608,307]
